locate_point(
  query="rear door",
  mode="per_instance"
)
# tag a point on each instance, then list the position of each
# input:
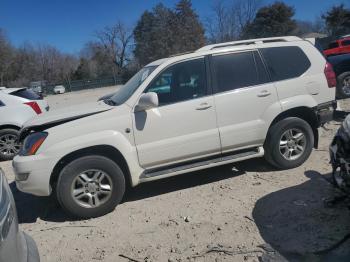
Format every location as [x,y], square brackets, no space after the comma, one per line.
[246,100]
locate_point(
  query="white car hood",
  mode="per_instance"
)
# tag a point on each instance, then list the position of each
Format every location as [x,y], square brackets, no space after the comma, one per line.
[56,117]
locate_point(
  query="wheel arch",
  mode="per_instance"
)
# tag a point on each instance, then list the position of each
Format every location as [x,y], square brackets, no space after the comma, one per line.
[101,150]
[9,126]
[302,112]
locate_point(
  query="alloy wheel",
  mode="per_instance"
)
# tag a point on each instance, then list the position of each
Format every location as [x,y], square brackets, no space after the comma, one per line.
[9,145]
[92,188]
[292,144]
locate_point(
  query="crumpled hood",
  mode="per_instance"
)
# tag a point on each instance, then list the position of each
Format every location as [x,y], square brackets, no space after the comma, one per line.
[63,115]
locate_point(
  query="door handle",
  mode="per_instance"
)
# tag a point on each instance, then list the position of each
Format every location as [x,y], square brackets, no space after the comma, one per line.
[264,93]
[203,106]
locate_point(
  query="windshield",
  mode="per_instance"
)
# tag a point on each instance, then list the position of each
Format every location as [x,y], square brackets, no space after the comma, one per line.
[124,92]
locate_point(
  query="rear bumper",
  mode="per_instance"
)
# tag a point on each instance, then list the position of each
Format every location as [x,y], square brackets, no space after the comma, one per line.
[325,112]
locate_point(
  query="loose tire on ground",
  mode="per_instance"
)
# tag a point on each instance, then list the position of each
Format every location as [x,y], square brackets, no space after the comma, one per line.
[70,179]
[275,151]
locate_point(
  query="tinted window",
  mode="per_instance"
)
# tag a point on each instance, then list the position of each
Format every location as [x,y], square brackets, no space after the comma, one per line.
[232,71]
[180,82]
[333,45]
[285,62]
[26,93]
[346,42]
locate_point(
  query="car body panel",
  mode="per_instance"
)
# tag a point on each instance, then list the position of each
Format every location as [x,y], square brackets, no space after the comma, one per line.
[13,243]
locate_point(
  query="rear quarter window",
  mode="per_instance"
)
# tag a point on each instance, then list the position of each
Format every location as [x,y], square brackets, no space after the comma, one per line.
[1,103]
[26,93]
[285,62]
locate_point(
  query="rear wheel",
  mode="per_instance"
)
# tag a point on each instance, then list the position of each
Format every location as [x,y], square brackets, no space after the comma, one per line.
[343,88]
[9,145]
[90,186]
[289,143]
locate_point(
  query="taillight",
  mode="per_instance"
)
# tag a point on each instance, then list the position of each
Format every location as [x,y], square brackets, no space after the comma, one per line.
[330,75]
[34,106]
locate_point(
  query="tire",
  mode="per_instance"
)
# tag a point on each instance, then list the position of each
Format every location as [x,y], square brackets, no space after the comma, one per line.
[92,197]
[342,79]
[6,136]
[32,249]
[277,149]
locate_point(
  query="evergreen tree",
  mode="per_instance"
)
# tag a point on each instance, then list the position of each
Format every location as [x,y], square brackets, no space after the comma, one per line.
[337,20]
[272,20]
[164,32]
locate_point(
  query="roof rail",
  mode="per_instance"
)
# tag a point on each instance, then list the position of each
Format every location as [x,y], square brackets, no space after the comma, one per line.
[250,42]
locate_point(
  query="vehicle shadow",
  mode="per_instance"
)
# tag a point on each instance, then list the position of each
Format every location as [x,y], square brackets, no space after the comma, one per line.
[30,208]
[298,224]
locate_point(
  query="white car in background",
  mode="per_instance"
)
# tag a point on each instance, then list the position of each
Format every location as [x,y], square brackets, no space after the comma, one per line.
[17,105]
[59,89]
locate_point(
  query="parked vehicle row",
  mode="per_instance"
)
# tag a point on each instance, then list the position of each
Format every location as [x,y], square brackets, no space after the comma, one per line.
[220,104]
[17,105]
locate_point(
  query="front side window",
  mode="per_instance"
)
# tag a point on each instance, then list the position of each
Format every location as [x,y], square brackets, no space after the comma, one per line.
[285,62]
[180,82]
[238,70]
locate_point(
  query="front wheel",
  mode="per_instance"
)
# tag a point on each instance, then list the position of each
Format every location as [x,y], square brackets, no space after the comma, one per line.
[90,186]
[289,143]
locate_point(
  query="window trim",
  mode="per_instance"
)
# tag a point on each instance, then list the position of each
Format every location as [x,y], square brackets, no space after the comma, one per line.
[215,84]
[208,87]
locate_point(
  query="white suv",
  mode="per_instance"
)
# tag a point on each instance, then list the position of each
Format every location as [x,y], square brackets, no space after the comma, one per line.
[221,104]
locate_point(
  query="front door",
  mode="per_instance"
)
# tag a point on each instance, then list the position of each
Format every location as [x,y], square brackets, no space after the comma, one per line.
[183,126]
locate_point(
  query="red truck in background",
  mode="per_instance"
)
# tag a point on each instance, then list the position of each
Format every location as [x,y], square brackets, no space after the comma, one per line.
[338,47]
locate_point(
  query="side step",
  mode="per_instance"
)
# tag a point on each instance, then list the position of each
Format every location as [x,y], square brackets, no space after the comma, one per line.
[213,160]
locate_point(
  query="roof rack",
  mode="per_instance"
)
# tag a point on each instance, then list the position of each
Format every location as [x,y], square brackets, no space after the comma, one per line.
[250,42]
[184,53]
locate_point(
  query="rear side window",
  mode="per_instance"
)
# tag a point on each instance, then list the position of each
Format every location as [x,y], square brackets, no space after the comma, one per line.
[285,62]
[346,43]
[26,93]
[237,70]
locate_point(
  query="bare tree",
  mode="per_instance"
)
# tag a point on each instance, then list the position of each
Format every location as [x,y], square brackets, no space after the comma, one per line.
[6,56]
[228,20]
[245,11]
[116,41]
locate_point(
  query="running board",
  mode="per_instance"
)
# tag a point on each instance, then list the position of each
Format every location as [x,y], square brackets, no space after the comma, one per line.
[208,161]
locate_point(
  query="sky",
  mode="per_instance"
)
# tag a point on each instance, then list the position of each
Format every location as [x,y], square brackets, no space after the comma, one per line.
[69,24]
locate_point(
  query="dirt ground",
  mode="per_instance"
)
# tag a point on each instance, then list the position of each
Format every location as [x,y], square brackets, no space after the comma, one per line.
[238,212]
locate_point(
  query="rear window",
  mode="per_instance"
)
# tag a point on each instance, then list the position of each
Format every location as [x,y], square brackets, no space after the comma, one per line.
[285,62]
[333,45]
[26,93]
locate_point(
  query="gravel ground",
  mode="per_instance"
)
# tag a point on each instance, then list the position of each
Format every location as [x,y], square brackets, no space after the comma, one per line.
[238,212]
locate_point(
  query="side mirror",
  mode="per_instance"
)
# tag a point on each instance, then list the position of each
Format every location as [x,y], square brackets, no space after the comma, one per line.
[147,101]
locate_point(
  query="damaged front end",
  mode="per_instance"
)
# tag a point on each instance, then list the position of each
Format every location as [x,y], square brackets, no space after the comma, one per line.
[340,156]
